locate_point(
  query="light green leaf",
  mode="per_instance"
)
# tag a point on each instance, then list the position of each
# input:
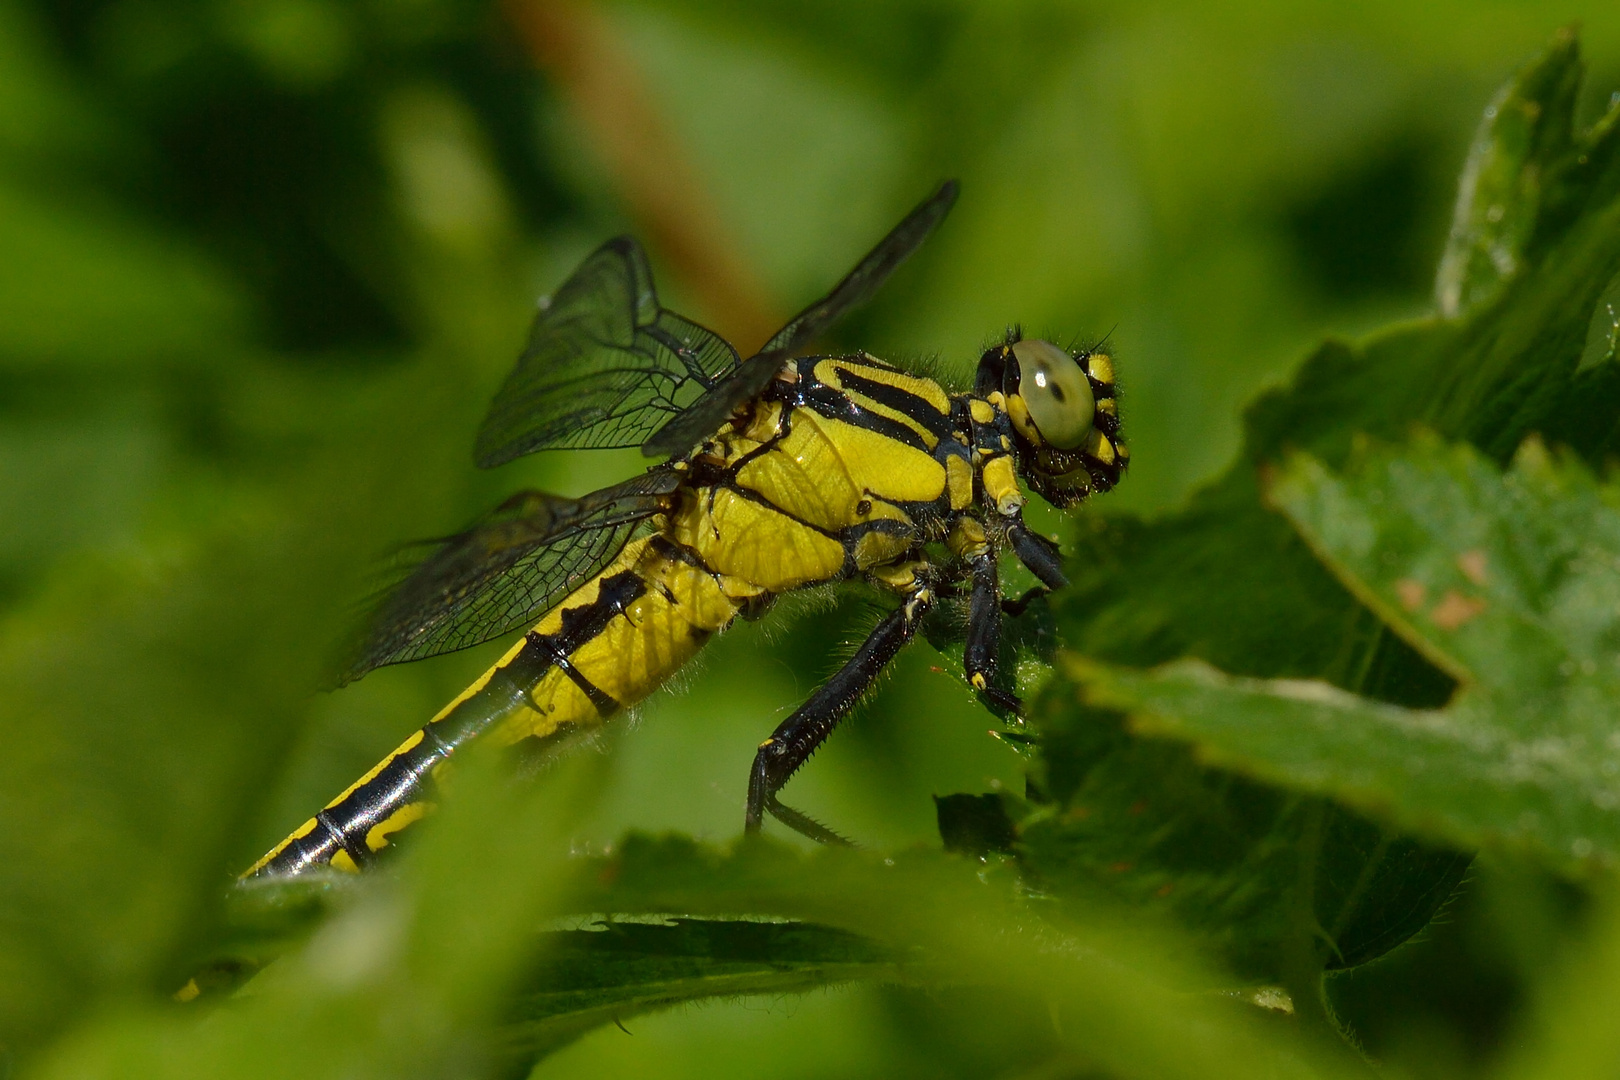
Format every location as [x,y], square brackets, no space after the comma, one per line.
[1510,582]
[1525,129]
[1603,332]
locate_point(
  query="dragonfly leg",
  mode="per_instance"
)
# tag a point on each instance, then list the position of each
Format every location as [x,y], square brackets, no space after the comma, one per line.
[1014,608]
[1038,553]
[801,734]
[984,635]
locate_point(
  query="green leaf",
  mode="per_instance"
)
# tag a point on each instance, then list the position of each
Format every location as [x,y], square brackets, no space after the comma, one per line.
[1510,583]
[622,969]
[1603,332]
[1227,580]
[443,962]
[1526,129]
[110,881]
[1277,885]
[977,825]
[1114,981]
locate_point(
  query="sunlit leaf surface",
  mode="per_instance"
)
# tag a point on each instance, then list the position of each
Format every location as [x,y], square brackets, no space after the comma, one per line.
[1511,582]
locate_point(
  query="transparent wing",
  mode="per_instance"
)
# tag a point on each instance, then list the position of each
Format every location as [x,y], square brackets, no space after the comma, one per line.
[605,365]
[506,571]
[751,377]
[869,274]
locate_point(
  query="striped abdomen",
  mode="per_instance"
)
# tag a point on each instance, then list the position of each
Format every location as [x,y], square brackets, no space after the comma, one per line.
[610,644]
[851,478]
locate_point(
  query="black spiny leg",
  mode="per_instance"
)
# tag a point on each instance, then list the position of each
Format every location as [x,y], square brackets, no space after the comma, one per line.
[1014,608]
[1038,553]
[984,637]
[791,745]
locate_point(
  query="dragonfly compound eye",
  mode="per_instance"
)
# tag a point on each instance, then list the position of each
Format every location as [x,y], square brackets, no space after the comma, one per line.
[1056,394]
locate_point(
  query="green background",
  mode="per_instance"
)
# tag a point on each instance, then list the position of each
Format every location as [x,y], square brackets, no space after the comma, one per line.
[263,263]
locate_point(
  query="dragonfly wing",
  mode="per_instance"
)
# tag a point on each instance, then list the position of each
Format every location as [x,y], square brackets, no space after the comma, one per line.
[506,571]
[751,377]
[715,407]
[605,365]
[869,274]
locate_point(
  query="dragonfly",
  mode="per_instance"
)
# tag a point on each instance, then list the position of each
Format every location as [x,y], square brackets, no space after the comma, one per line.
[778,472]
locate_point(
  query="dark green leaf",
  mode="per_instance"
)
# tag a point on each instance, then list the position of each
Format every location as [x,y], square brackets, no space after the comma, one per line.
[622,969]
[975,825]
[1268,880]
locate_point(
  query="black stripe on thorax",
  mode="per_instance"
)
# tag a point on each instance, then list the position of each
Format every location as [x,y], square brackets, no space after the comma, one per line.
[668,549]
[901,401]
[834,404]
[713,480]
[905,530]
[760,499]
[605,705]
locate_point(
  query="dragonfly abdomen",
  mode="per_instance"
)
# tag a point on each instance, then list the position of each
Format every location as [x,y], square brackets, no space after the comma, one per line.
[612,642]
[632,644]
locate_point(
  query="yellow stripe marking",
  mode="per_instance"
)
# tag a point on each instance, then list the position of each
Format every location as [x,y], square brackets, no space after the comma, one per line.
[967,538]
[482,681]
[959,481]
[828,371]
[297,834]
[1001,484]
[927,389]
[876,548]
[1100,448]
[377,835]
[408,744]
[900,577]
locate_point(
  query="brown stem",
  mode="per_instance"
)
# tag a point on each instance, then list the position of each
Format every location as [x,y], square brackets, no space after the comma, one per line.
[576,48]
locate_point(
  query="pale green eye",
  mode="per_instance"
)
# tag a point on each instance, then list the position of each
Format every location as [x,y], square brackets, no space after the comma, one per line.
[1056,392]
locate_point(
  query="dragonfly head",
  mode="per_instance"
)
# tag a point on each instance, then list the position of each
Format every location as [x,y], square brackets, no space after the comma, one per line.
[1063,415]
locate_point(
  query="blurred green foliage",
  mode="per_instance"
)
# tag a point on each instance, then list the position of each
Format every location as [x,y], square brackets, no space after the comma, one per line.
[266,260]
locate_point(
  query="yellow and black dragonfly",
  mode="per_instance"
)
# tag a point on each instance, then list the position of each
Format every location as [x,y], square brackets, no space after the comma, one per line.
[780,472]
